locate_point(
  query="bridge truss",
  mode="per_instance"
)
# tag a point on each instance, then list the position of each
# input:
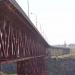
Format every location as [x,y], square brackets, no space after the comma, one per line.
[20,42]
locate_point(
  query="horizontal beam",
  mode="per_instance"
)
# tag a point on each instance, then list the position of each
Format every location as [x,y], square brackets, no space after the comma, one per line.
[21,59]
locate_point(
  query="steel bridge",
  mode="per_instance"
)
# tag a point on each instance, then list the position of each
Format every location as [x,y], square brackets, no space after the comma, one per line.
[20,41]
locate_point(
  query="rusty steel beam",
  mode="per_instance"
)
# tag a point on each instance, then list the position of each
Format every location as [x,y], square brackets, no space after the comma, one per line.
[21,59]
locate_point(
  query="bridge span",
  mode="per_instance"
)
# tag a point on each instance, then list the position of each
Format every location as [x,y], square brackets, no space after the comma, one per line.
[20,41]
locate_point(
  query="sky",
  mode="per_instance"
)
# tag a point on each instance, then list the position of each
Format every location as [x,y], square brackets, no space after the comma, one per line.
[55,19]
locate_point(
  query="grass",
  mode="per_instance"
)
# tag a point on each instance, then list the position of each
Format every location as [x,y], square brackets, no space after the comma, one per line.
[11,74]
[1,73]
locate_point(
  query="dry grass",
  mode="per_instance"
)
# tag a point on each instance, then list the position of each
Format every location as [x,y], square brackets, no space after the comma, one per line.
[11,74]
[1,73]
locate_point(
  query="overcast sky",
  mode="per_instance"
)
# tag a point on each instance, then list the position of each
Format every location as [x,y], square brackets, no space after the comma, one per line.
[56,18]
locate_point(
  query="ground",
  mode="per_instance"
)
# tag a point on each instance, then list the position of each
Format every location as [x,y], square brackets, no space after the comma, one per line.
[61,66]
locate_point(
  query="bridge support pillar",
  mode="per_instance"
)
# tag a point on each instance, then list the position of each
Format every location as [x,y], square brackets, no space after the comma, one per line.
[24,68]
[34,66]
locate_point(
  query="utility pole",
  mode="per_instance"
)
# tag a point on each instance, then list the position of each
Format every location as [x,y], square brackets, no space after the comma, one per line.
[35,17]
[28,7]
